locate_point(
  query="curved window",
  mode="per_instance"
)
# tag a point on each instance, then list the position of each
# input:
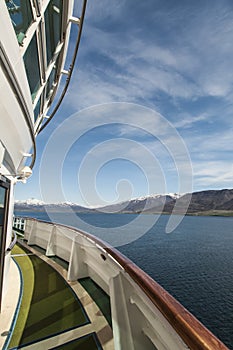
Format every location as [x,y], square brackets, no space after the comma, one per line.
[52,80]
[50,84]
[31,61]
[52,16]
[21,16]
[37,110]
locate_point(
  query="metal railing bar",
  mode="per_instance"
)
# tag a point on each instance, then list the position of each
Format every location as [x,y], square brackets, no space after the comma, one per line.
[12,244]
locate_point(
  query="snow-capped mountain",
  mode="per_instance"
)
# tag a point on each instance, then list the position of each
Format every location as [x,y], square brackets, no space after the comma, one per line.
[38,205]
[195,203]
[150,203]
[31,201]
[156,196]
[147,203]
[209,202]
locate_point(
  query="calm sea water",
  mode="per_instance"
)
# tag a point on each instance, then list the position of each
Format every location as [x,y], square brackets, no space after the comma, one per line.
[194,262]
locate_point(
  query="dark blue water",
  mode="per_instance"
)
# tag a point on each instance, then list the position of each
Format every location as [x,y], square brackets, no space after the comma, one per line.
[194,263]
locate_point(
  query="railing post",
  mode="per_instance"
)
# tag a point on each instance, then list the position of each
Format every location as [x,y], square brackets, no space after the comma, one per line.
[77,266]
[51,242]
[120,317]
[31,234]
[22,224]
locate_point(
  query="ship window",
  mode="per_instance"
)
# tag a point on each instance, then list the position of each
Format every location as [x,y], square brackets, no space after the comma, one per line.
[4,188]
[37,110]
[21,16]
[49,87]
[53,27]
[32,67]
[51,82]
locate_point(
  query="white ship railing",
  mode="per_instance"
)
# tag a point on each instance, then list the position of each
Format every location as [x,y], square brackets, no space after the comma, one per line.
[12,244]
[19,223]
[144,315]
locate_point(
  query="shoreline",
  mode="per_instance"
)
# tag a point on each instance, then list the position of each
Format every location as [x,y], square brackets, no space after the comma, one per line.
[222,213]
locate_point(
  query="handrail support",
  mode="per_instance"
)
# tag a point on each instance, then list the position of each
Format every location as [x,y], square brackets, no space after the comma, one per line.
[65,72]
[75,20]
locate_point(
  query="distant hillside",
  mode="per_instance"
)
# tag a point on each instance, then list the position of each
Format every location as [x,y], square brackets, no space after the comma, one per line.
[153,203]
[211,202]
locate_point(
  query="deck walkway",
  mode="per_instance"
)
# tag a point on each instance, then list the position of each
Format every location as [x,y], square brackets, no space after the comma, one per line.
[96,330]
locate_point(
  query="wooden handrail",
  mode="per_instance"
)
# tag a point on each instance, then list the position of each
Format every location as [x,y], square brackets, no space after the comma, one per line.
[192,331]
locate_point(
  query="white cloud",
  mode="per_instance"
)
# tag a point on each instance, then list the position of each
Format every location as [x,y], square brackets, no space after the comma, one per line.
[215,174]
[187,121]
[211,145]
[198,63]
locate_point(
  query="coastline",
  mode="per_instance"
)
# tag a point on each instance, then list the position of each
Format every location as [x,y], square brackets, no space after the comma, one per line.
[223,213]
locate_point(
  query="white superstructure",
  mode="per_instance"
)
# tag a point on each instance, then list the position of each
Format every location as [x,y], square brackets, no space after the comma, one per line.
[33,46]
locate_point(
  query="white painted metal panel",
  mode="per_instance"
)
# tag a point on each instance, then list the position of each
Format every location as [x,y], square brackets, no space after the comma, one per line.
[10,44]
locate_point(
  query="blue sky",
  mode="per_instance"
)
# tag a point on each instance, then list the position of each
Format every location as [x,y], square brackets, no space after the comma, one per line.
[170,57]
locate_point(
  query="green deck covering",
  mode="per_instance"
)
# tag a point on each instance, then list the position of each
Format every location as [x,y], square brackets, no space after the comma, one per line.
[53,307]
[99,296]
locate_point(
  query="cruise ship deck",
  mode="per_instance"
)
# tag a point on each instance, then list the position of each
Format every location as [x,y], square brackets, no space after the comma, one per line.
[70,290]
[50,313]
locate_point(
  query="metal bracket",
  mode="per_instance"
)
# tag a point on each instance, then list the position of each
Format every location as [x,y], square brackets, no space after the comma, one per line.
[75,20]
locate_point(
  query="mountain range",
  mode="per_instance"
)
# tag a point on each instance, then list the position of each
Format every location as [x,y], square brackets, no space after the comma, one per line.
[37,205]
[210,202]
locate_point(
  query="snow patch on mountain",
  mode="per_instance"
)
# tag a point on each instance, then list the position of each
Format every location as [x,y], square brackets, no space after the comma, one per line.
[157,196]
[65,204]
[37,202]
[31,201]
[176,195]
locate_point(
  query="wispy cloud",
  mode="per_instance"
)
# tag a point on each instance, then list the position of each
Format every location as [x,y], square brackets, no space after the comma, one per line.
[187,121]
[192,59]
[213,174]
